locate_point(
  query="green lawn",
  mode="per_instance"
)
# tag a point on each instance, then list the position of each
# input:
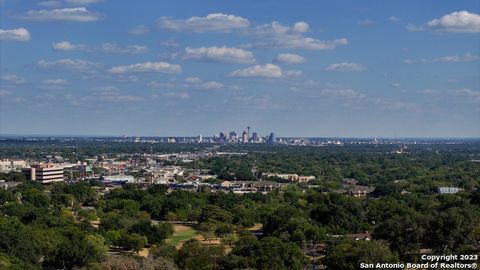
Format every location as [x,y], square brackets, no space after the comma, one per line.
[176,238]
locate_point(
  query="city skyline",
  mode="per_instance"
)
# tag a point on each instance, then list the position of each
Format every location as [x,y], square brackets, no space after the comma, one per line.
[316,69]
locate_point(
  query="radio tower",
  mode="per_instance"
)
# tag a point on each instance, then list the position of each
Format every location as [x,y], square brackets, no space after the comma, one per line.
[248,133]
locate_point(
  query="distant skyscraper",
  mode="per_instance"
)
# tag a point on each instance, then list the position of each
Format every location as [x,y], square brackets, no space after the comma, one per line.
[271,138]
[232,136]
[200,139]
[254,136]
[222,138]
[244,137]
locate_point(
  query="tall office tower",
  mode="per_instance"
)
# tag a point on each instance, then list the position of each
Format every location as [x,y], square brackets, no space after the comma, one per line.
[271,138]
[222,138]
[254,136]
[232,136]
[244,137]
[44,173]
[200,139]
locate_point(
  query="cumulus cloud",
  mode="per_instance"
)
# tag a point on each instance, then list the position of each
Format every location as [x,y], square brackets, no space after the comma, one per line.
[193,80]
[177,95]
[300,27]
[468,57]
[294,73]
[115,48]
[68,46]
[220,54]
[210,85]
[393,19]
[455,22]
[426,91]
[70,64]
[161,67]
[105,48]
[265,71]
[12,79]
[342,93]
[466,93]
[218,22]
[290,58]
[346,66]
[77,14]
[277,35]
[139,30]
[17,34]
[56,82]
[110,94]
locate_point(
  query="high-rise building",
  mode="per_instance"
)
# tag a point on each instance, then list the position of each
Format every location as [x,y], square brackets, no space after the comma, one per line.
[271,138]
[244,137]
[44,173]
[232,136]
[254,136]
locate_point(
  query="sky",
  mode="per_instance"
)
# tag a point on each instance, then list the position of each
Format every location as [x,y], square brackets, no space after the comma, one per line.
[297,68]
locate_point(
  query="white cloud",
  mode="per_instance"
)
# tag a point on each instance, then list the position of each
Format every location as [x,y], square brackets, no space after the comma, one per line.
[277,35]
[139,30]
[342,93]
[162,67]
[56,82]
[220,54]
[456,22]
[105,48]
[468,57]
[12,79]
[4,92]
[115,48]
[67,46]
[110,94]
[294,73]
[467,93]
[212,22]
[426,91]
[266,71]
[193,80]
[17,34]
[178,95]
[300,27]
[70,64]
[393,19]
[210,85]
[78,14]
[346,66]
[290,58]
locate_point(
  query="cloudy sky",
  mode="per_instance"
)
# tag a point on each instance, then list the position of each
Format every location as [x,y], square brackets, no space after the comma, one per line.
[298,68]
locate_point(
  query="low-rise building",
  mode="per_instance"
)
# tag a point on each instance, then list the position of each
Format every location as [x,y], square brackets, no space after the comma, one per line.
[44,173]
[448,190]
[292,177]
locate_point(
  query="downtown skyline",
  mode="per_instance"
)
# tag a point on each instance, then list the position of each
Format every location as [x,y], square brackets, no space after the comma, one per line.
[319,68]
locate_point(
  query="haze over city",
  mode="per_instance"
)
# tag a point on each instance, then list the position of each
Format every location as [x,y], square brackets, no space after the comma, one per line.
[166,68]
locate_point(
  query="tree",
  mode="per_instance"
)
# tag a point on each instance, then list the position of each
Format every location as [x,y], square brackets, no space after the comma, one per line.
[349,255]
[268,253]
[194,255]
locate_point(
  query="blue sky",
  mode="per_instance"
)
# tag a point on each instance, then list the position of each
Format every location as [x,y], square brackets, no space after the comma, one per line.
[298,68]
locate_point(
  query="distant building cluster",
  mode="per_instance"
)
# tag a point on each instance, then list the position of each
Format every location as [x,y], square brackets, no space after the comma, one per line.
[233,137]
[291,177]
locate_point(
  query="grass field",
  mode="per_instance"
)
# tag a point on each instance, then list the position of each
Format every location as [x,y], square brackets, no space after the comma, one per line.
[182,233]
